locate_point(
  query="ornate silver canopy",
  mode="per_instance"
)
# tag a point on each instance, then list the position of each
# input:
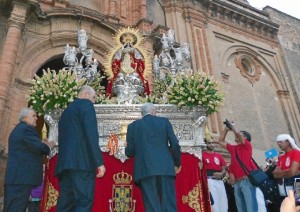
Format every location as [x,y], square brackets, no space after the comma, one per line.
[173,57]
[87,70]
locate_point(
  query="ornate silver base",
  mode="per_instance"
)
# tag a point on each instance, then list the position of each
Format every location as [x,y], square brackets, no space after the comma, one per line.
[188,124]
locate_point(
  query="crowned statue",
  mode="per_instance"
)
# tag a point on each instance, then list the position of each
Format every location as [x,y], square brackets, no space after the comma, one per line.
[127,73]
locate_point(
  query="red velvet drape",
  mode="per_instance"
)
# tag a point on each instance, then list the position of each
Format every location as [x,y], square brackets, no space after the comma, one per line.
[191,186]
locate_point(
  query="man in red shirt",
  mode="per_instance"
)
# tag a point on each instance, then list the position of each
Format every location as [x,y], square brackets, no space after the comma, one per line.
[244,191]
[215,166]
[288,165]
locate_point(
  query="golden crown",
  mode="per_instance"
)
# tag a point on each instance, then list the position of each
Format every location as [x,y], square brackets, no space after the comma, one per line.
[122,178]
[128,38]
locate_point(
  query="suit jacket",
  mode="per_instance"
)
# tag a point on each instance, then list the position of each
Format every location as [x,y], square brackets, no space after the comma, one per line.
[78,138]
[154,146]
[25,156]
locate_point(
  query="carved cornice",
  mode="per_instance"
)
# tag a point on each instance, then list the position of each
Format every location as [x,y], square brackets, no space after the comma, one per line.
[245,17]
[61,3]
[79,13]
[229,14]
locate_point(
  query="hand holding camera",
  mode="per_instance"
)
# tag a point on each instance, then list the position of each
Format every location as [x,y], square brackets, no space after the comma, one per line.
[228,124]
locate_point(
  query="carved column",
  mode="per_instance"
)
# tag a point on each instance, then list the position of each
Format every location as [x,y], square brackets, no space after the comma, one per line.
[8,58]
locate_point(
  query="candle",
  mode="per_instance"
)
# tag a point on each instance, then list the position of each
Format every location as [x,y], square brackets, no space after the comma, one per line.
[44,132]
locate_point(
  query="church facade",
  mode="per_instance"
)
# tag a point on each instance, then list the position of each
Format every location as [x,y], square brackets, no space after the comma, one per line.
[254,53]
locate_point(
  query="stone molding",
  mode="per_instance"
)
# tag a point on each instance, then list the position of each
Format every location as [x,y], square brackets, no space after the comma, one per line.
[283,94]
[21,84]
[249,67]
[232,15]
[19,11]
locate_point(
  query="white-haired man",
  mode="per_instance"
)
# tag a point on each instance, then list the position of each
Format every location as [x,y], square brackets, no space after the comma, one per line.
[157,159]
[80,157]
[288,166]
[24,169]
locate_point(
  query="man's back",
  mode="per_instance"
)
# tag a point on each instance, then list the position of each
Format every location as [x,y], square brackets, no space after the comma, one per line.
[78,138]
[25,159]
[148,141]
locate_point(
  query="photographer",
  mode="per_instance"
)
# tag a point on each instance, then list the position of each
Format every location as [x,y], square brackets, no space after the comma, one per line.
[244,191]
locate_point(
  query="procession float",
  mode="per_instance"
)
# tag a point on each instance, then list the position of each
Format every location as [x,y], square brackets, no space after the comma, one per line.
[186,97]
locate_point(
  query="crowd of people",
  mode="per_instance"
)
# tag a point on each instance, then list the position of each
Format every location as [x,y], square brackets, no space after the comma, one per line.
[152,142]
[248,197]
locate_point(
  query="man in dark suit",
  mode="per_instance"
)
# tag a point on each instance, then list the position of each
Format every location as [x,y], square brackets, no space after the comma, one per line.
[24,169]
[79,157]
[156,151]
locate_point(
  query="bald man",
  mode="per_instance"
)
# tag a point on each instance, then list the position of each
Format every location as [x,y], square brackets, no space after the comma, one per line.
[79,158]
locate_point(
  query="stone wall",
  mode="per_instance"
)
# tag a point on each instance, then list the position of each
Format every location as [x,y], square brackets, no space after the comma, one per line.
[289,38]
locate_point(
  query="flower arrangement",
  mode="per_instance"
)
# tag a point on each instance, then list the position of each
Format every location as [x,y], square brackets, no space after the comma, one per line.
[56,90]
[193,89]
[189,89]
[159,93]
[53,90]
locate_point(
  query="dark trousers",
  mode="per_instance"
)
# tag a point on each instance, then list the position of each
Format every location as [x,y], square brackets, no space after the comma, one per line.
[76,191]
[34,206]
[16,197]
[158,193]
[230,197]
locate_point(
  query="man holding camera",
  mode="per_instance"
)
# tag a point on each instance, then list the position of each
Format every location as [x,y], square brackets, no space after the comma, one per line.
[244,191]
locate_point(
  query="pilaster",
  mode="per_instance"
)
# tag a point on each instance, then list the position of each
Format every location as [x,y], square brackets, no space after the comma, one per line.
[8,58]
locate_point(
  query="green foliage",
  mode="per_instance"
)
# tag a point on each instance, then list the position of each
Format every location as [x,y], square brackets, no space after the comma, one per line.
[56,90]
[196,89]
[188,89]
[53,90]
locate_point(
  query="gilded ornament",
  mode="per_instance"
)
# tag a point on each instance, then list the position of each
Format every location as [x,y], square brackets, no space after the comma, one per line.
[122,178]
[52,197]
[193,198]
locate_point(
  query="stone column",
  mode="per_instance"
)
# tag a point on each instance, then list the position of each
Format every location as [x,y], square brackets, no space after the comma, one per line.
[8,58]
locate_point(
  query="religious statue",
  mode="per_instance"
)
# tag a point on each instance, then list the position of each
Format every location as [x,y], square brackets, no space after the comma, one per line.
[70,58]
[128,70]
[173,57]
[82,40]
